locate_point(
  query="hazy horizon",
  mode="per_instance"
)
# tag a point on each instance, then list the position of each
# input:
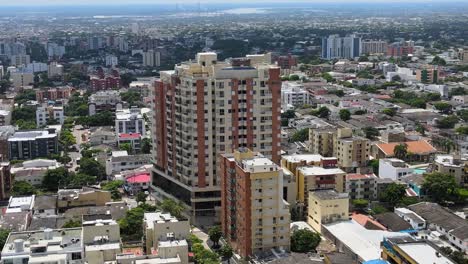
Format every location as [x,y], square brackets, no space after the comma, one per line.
[171,2]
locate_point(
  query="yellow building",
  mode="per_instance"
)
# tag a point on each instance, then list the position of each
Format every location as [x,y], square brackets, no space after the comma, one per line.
[325,207]
[293,162]
[254,217]
[82,197]
[351,152]
[316,178]
[321,141]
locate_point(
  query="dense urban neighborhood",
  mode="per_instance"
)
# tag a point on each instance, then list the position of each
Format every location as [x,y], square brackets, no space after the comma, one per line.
[240,133]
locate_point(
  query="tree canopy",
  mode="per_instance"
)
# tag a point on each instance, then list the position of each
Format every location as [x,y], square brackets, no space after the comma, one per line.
[304,241]
[301,135]
[345,114]
[393,194]
[21,188]
[440,187]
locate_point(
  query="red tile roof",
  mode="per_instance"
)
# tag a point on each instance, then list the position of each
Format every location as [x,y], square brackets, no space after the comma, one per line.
[131,135]
[139,178]
[357,176]
[415,147]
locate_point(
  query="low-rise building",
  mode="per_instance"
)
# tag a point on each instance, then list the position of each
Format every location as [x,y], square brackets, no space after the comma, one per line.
[416,222]
[137,183]
[361,186]
[33,171]
[122,161]
[409,250]
[44,246]
[68,198]
[161,229]
[100,239]
[393,169]
[448,164]
[104,101]
[419,150]
[325,207]
[440,219]
[25,145]
[133,139]
[293,95]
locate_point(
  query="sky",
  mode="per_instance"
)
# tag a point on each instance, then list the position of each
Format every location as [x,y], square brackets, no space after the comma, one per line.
[173,2]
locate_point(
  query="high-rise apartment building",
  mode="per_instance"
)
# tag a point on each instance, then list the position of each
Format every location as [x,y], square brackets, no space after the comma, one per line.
[254,216]
[152,58]
[373,46]
[428,74]
[321,141]
[18,60]
[399,49]
[336,47]
[205,108]
[25,145]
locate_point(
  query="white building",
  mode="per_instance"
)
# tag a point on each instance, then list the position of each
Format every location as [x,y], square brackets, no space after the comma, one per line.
[129,121]
[441,89]
[54,69]
[46,113]
[413,219]
[112,61]
[121,161]
[293,94]
[152,58]
[406,74]
[393,169]
[20,204]
[33,171]
[36,67]
[162,230]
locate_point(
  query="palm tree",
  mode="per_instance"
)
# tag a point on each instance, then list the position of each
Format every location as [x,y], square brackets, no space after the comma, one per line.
[400,151]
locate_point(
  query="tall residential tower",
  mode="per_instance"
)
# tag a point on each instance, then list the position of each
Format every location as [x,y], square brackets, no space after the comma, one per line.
[205,108]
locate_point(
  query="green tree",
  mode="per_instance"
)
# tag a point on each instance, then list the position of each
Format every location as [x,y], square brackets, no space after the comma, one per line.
[304,241]
[4,233]
[360,204]
[21,188]
[463,114]
[438,61]
[301,135]
[328,77]
[447,122]
[114,188]
[400,151]
[371,132]
[131,226]
[215,234]
[360,112]
[389,111]
[440,187]
[420,129]
[146,146]
[72,224]
[176,209]
[81,179]
[53,179]
[393,194]
[67,138]
[374,164]
[396,78]
[443,107]
[345,114]
[294,77]
[226,252]
[462,130]
[90,166]
[323,112]
[126,146]
[141,197]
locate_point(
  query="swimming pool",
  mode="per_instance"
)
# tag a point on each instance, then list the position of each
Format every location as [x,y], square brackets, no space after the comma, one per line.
[420,170]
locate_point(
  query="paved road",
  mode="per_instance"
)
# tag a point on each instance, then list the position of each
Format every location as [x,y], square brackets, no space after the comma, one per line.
[201,235]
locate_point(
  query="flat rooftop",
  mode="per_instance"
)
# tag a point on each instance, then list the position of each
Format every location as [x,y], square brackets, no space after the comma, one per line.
[304,157]
[363,242]
[328,194]
[424,253]
[317,171]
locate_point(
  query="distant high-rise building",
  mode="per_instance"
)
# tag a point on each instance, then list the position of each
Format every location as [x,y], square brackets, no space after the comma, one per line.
[254,216]
[399,49]
[336,47]
[205,108]
[54,70]
[373,46]
[19,60]
[95,43]
[135,28]
[55,51]
[111,61]
[152,58]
